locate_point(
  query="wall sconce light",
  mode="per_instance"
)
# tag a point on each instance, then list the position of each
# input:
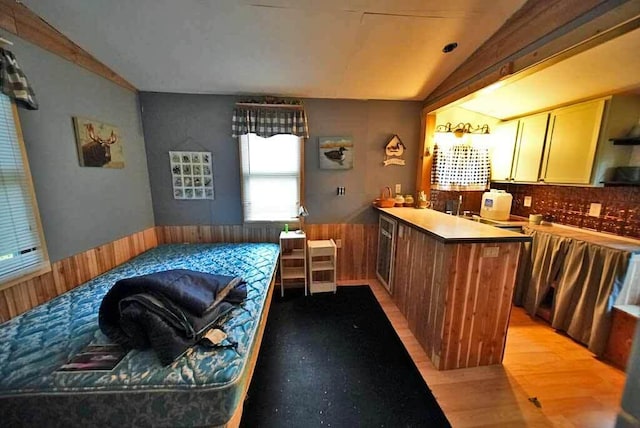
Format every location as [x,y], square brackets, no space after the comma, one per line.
[463,128]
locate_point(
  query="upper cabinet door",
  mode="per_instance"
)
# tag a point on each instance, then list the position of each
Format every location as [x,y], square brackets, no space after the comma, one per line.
[531,136]
[571,143]
[503,144]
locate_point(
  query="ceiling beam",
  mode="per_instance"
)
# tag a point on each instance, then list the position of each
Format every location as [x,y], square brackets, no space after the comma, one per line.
[18,19]
[540,30]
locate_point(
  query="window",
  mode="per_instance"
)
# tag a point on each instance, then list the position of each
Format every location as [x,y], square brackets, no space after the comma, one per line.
[270,177]
[461,163]
[22,250]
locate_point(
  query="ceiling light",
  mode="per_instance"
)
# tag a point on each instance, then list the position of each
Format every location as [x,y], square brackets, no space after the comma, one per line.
[449,47]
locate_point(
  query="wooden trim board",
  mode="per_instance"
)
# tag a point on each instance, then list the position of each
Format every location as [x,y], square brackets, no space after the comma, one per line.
[540,30]
[18,19]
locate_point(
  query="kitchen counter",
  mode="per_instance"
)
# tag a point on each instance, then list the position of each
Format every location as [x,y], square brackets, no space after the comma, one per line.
[451,229]
[453,280]
[598,238]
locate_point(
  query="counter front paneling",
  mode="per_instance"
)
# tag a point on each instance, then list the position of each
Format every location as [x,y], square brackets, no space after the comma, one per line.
[453,280]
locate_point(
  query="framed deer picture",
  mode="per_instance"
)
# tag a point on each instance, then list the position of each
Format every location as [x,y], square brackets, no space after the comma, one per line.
[99,144]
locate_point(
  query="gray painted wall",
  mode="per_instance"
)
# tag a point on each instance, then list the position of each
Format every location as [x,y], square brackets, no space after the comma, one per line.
[203,122]
[81,207]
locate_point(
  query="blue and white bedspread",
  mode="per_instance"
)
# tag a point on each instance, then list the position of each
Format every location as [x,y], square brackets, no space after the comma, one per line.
[201,388]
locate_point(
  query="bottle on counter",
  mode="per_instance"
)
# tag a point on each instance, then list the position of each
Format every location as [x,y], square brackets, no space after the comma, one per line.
[399,200]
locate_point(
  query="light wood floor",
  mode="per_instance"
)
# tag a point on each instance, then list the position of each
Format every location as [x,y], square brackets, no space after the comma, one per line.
[573,388]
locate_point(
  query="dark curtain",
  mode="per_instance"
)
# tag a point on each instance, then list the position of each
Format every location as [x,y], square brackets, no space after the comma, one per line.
[269,121]
[14,83]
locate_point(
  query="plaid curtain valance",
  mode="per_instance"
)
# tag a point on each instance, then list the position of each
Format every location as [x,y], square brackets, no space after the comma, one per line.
[267,122]
[461,167]
[13,82]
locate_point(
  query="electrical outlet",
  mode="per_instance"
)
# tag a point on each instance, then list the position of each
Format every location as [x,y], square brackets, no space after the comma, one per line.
[398,188]
[490,251]
[527,201]
[340,191]
[594,210]
[338,243]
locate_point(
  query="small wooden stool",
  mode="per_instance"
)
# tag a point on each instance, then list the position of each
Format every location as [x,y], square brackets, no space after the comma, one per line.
[322,263]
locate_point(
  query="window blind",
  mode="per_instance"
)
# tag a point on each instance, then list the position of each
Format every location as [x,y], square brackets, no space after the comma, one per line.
[21,251]
[270,177]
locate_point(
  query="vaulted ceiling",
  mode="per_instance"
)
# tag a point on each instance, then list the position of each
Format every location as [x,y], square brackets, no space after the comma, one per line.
[359,49]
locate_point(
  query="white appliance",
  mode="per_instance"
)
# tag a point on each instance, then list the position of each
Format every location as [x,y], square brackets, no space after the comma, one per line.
[496,205]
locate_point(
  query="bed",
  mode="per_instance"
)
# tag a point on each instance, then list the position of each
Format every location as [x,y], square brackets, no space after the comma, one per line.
[203,388]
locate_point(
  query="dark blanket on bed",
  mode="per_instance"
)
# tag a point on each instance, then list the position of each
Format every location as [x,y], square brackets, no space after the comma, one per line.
[168,311]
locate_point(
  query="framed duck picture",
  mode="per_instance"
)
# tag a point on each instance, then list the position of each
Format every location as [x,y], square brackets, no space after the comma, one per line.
[336,152]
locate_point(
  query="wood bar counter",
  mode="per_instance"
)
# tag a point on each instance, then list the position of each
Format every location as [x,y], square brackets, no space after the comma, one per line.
[453,280]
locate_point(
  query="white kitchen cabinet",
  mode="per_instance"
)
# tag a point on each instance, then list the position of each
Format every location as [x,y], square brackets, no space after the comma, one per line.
[571,143]
[529,148]
[517,149]
[503,146]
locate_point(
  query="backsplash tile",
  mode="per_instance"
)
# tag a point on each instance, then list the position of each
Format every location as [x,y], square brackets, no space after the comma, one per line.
[620,213]
[471,200]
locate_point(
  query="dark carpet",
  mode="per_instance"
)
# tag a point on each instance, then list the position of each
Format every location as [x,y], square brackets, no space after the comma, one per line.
[335,361]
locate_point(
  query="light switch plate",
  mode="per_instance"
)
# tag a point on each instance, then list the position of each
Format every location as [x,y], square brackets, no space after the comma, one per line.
[398,189]
[527,201]
[338,243]
[490,251]
[594,210]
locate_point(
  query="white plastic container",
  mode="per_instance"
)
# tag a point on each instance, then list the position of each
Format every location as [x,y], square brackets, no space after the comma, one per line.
[496,205]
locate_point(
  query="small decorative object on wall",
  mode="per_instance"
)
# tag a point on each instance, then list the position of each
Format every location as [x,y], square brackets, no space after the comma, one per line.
[99,144]
[336,152]
[393,151]
[192,175]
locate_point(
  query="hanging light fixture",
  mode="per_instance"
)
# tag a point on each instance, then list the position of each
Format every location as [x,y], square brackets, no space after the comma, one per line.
[462,128]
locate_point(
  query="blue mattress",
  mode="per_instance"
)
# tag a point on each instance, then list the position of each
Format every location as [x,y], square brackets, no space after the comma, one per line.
[201,388]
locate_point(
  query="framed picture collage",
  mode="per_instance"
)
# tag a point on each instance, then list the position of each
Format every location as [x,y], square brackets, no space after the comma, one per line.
[192,175]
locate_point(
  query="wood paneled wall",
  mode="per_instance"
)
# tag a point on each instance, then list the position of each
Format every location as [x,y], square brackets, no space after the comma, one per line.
[456,300]
[217,233]
[70,272]
[356,258]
